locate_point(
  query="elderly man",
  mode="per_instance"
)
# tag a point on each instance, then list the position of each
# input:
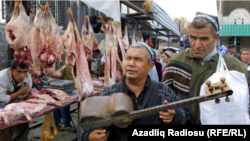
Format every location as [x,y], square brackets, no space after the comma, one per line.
[189,69]
[144,93]
[15,83]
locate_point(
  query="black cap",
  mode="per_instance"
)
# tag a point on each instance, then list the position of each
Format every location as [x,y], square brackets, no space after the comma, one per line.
[210,18]
[231,46]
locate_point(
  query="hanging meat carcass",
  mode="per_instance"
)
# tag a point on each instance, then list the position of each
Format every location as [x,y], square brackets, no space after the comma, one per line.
[32,17]
[17,33]
[69,42]
[104,26]
[88,38]
[49,39]
[120,51]
[36,70]
[77,59]
[110,56]
[140,37]
[125,38]
[43,49]
[118,32]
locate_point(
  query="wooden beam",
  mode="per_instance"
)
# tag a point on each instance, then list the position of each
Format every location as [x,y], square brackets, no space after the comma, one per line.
[143,18]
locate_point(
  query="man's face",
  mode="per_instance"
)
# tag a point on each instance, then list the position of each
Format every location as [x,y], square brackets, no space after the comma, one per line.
[231,50]
[201,41]
[165,58]
[19,74]
[245,56]
[94,54]
[136,65]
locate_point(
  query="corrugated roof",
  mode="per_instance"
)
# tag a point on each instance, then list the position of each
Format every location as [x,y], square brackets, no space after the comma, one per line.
[235,30]
[163,18]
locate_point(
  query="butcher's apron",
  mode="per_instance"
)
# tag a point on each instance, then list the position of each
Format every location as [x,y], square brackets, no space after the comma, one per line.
[17,132]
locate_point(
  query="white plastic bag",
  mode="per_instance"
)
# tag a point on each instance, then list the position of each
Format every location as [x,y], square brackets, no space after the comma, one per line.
[233,112]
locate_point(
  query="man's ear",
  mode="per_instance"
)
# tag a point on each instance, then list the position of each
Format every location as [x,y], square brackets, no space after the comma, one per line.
[11,70]
[216,37]
[151,65]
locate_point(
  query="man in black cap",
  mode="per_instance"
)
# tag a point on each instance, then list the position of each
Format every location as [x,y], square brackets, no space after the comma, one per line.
[189,69]
[232,53]
[143,92]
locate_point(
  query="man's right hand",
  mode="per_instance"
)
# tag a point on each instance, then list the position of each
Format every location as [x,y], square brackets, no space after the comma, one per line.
[98,135]
[24,90]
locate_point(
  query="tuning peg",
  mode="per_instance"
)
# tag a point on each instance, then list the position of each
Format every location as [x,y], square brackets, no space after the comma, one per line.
[211,90]
[217,100]
[208,83]
[227,99]
[223,79]
[222,86]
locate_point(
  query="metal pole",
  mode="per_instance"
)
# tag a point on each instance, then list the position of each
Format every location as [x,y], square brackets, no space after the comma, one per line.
[156,41]
[219,42]
[168,37]
[180,25]
[81,12]
[78,123]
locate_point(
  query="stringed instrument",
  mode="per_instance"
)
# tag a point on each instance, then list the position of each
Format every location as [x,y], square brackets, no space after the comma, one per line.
[100,112]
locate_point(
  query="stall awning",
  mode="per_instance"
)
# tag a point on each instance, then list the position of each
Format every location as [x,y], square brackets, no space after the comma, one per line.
[163,18]
[167,25]
[235,30]
[110,8]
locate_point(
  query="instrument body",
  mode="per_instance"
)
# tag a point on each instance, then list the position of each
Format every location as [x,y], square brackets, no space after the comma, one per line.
[103,111]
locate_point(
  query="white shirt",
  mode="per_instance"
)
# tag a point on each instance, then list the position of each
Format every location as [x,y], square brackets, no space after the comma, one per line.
[232,55]
[7,85]
[153,74]
[103,59]
[248,68]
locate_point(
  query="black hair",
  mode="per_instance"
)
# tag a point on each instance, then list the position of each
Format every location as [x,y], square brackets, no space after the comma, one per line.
[14,64]
[97,51]
[164,50]
[244,49]
[171,49]
[231,45]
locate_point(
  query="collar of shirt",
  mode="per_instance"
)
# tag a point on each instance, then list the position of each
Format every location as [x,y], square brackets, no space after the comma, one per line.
[126,88]
[230,54]
[11,77]
[136,100]
[210,55]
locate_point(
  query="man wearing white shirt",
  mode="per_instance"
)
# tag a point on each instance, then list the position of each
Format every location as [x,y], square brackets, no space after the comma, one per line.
[232,53]
[15,83]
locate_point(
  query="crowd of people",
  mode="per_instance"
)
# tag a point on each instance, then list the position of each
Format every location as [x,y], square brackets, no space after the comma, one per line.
[182,77]
[151,77]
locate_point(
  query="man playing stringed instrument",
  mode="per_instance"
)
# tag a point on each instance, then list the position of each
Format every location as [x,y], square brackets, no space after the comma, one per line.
[144,93]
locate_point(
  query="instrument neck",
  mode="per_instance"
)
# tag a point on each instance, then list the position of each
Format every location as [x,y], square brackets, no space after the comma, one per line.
[153,110]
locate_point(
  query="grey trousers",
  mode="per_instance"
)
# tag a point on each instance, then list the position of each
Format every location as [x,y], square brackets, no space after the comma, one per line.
[15,133]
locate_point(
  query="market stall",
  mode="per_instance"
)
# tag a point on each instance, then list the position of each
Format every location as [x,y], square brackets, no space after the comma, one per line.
[77,41]
[47,109]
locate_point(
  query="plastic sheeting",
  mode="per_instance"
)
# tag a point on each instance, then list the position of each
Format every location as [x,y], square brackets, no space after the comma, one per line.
[111,8]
